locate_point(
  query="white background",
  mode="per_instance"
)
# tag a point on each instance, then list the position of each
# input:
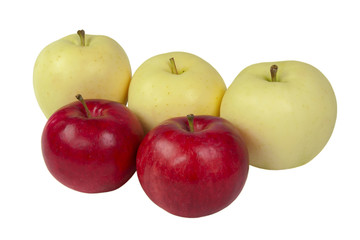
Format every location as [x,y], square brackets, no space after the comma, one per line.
[317,201]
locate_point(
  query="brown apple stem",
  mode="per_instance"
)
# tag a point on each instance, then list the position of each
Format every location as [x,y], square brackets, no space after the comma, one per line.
[190,119]
[80,98]
[81,34]
[173,66]
[273,71]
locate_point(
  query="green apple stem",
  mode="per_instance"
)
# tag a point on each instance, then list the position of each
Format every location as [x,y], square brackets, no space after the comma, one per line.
[273,71]
[81,34]
[80,98]
[190,119]
[173,66]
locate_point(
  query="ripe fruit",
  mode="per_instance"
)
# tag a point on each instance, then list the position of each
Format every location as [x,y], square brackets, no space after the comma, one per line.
[91,147]
[193,167]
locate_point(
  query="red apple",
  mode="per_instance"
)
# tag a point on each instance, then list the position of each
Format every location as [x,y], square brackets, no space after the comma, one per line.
[193,167]
[91,147]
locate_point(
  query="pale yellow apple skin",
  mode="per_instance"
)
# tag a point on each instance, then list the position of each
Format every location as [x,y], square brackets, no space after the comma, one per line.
[64,68]
[157,94]
[285,124]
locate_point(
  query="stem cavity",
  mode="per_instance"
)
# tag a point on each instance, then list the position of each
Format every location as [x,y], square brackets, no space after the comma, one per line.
[273,71]
[80,98]
[81,34]
[190,119]
[173,66]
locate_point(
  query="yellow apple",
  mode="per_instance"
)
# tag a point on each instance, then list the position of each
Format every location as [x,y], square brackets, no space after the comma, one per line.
[174,84]
[285,110]
[94,65]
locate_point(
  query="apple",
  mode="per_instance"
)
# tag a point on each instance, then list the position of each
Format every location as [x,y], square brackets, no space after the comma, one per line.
[95,65]
[174,84]
[285,110]
[194,166]
[90,146]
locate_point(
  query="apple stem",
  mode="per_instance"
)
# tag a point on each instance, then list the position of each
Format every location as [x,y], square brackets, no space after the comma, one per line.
[173,66]
[273,71]
[81,99]
[190,119]
[81,34]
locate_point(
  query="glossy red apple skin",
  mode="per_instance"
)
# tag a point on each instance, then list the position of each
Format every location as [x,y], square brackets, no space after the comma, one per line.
[96,154]
[193,174]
